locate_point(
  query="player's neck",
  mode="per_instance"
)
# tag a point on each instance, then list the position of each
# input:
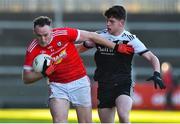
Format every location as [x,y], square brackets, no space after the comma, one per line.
[50,40]
[118,32]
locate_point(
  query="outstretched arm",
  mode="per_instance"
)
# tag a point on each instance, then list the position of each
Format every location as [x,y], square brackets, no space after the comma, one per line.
[80,48]
[156,67]
[153,60]
[86,45]
[94,37]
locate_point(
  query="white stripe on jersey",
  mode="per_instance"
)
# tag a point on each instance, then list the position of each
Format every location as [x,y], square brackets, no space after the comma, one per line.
[135,42]
[59,32]
[26,67]
[78,36]
[125,36]
[33,44]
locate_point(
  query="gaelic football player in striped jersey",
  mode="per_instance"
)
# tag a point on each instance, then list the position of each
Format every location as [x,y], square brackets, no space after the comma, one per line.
[113,72]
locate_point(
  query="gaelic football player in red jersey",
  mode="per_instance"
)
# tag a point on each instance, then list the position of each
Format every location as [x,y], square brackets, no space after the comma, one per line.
[68,82]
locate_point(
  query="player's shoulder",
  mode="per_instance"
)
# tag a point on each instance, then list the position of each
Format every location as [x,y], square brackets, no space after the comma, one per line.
[32,45]
[63,31]
[59,31]
[127,35]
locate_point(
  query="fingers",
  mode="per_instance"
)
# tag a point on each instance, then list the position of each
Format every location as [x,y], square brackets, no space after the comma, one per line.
[45,62]
[44,68]
[130,50]
[161,85]
[45,65]
[157,82]
[50,70]
[164,87]
[155,85]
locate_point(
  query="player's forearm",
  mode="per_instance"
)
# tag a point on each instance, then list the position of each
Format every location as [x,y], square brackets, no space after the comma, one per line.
[155,63]
[96,38]
[80,48]
[153,60]
[31,77]
[99,40]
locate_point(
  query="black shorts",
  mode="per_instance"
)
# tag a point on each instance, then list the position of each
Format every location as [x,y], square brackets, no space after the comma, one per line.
[108,92]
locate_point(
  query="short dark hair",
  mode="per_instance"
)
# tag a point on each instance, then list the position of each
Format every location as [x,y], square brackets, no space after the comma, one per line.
[41,21]
[117,12]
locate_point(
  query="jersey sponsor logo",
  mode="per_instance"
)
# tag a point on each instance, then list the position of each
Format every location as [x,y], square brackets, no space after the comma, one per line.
[58,59]
[105,50]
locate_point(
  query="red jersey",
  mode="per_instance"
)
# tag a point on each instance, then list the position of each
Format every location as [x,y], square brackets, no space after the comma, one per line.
[69,65]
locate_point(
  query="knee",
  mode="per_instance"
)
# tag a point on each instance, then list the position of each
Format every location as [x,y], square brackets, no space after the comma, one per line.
[59,119]
[84,118]
[123,117]
[56,120]
[88,120]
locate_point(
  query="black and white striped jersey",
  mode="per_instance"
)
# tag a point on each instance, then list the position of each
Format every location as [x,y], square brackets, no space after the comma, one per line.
[112,66]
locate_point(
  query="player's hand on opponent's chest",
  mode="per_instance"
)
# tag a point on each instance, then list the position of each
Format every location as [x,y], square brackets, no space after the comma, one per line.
[124,48]
[48,70]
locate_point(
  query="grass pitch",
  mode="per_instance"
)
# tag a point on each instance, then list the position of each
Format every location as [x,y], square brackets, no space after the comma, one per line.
[43,116]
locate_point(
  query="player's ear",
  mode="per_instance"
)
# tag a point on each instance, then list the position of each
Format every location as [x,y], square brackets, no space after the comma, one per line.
[122,22]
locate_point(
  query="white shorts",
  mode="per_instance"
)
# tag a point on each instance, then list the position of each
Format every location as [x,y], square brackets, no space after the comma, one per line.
[78,92]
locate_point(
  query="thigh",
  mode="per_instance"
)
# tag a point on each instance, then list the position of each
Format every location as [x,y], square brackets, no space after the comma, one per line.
[106,96]
[84,114]
[123,104]
[59,109]
[80,93]
[58,91]
[106,115]
[123,98]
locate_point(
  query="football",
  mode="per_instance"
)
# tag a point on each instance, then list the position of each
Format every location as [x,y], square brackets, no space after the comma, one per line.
[39,61]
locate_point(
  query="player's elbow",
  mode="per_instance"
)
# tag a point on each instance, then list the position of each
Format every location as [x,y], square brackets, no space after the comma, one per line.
[80,48]
[154,58]
[26,80]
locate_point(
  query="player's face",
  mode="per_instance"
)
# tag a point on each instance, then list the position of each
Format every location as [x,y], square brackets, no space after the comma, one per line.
[114,26]
[44,35]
